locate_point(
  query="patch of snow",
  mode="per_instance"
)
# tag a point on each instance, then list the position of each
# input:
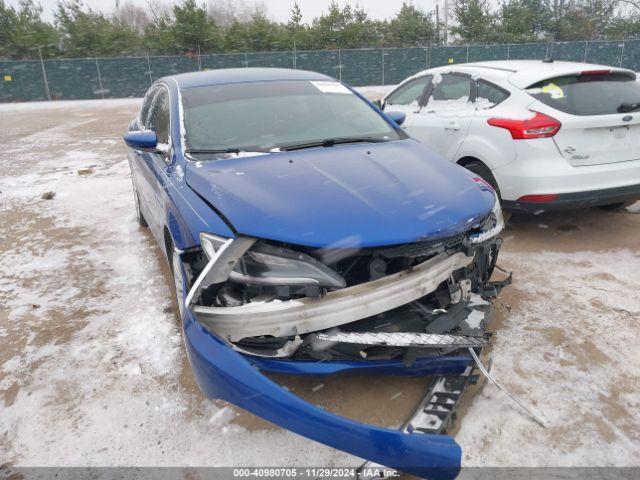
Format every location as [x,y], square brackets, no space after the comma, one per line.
[69,104]
[179,174]
[477,300]
[569,350]
[474,320]
[90,344]
[635,208]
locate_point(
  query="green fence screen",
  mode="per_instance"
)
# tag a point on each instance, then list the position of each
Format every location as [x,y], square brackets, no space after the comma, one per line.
[86,78]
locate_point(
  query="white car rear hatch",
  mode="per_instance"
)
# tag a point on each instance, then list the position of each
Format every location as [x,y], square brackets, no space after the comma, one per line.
[599,110]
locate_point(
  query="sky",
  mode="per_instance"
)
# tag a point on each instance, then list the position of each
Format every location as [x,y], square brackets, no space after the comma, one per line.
[277,9]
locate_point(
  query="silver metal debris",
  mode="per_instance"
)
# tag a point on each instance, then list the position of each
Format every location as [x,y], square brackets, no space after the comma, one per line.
[532,415]
[403,339]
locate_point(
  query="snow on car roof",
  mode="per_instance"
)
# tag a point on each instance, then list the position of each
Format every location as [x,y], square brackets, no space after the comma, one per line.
[240,75]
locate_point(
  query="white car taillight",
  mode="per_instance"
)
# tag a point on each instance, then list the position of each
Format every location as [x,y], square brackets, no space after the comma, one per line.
[538,126]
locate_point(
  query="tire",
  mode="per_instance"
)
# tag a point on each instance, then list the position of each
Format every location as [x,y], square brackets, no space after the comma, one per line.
[483,172]
[616,206]
[178,284]
[141,220]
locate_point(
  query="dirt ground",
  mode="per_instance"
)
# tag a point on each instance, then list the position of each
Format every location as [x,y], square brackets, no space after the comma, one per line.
[93,370]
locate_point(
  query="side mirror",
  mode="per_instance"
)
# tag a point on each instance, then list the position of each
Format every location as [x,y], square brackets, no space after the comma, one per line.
[398,117]
[145,140]
[378,103]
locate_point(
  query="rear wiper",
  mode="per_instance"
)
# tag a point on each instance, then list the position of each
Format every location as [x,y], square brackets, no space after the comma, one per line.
[628,107]
[330,142]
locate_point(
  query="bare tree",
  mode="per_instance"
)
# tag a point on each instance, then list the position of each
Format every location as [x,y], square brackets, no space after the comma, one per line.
[226,12]
[131,15]
[159,10]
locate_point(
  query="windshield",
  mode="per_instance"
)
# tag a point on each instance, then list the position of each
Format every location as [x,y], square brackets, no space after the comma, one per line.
[260,116]
[589,94]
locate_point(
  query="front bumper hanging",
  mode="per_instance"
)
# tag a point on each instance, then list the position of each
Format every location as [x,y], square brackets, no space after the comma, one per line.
[225,374]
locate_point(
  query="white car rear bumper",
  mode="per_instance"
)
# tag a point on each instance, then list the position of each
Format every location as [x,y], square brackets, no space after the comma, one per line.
[540,169]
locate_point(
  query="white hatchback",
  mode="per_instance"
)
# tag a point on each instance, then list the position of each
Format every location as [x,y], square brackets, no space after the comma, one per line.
[546,135]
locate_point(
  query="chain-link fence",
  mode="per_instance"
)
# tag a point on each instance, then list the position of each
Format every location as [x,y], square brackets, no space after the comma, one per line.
[85,78]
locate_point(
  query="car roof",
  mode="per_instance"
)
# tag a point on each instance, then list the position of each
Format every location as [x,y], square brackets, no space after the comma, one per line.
[521,73]
[524,73]
[243,75]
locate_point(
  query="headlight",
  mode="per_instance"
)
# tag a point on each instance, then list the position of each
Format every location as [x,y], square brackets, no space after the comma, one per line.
[268,265]
[492,226]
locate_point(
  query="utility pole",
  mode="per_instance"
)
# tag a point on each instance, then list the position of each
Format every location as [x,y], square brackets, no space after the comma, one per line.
[295,63]
[446,22]
[44,75]
[437,24]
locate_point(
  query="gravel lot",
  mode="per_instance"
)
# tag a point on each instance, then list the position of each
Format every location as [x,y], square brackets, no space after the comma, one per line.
[93,371]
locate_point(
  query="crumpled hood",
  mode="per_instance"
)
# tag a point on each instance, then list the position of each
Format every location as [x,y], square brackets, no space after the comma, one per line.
[352,195]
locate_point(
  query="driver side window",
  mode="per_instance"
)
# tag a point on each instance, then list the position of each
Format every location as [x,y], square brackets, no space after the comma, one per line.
[409,94]
[159,117]
[451,90]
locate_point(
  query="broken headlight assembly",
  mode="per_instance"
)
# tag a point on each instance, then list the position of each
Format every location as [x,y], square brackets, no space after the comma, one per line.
[264,264]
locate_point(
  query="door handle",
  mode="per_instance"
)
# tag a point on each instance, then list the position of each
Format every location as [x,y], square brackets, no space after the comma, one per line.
[452,126]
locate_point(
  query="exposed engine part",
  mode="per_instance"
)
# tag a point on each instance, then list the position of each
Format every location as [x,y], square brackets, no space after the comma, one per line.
[403,339]
[459,291]
[230,295]
[377,268]
[388,291]
[339,307]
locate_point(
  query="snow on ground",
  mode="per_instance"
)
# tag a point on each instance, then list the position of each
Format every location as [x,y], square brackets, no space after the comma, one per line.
[91,354]
[92,366]
[569,347]
[66,104]
[375,92]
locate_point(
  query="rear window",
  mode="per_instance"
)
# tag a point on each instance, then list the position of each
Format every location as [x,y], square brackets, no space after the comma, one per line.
[594,94]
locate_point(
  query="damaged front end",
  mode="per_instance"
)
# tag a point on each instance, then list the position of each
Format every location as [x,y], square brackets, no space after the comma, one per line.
[411,309]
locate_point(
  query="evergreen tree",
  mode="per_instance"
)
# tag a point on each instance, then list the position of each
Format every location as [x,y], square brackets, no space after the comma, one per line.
[347,27]
[474,21]
[23,33]
[524,20]
[297,31]
[86,33]
[257,35]
[410,27]
[193,28]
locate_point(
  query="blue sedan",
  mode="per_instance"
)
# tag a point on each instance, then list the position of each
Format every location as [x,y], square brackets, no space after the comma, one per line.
[308,234]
